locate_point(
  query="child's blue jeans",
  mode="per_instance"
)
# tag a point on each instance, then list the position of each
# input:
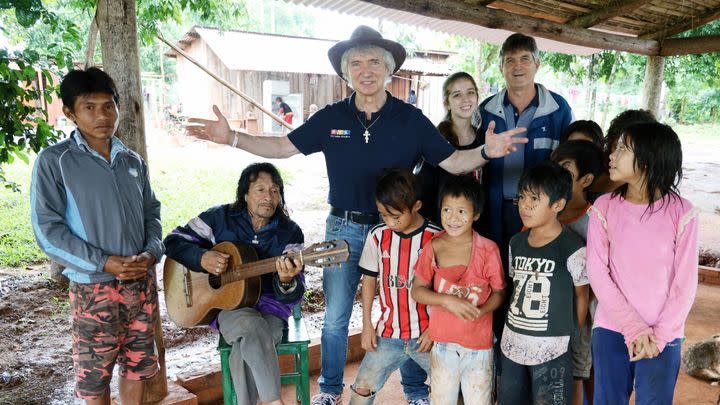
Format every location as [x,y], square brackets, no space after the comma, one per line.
[377,366]
[545,383]
[614,373]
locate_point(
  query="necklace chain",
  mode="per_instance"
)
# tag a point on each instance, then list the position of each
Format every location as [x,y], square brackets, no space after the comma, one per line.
[367,128]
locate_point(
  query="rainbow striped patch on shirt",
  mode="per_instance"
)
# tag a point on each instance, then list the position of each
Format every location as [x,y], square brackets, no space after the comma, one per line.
[340,133]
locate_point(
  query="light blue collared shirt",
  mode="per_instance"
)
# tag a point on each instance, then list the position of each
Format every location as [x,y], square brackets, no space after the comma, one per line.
[116,146]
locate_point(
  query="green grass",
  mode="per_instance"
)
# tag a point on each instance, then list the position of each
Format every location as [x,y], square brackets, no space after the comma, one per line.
[698,133]
[184,186]
[17,243]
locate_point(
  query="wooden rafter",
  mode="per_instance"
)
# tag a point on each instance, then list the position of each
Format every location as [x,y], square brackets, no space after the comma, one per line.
[601,15]
[492,18]
[692,45]
[459,10]
[480,2]
[689,24]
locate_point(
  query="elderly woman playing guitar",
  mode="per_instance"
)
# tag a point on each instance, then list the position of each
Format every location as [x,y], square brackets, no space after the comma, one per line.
[257,218]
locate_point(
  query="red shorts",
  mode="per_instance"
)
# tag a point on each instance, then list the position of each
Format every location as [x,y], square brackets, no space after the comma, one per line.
[112,322]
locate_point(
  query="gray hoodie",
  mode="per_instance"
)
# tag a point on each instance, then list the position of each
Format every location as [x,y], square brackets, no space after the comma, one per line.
[85,209]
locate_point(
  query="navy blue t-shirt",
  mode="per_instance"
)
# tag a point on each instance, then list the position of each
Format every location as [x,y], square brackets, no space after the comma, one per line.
[400,136]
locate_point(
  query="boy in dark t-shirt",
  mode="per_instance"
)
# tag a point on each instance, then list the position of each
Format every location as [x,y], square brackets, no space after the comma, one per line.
[550,289]
[584,161]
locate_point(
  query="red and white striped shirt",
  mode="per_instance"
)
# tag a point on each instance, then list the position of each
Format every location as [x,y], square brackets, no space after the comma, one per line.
[390,256]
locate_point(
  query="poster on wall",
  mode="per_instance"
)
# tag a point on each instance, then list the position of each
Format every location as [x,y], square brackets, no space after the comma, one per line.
[289,106]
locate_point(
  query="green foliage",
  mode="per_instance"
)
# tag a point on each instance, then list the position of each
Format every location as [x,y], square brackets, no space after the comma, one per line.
[478,58]
[17,243]
[694,82]
[23,119]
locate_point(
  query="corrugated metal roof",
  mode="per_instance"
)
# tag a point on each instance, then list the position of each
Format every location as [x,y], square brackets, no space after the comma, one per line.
[426,67]
[364,9]
[240,50]
[251,51]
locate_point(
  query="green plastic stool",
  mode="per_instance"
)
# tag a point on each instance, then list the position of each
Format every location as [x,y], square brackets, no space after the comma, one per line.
[295,341]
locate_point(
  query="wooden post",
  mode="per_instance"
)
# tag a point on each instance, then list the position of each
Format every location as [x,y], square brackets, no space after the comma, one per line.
[654,75]
[156,388]
[117,26]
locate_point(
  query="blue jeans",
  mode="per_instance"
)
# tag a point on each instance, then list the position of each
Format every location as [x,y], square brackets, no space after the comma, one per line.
[654,379]
[377,366]
[340,287]
[545,383]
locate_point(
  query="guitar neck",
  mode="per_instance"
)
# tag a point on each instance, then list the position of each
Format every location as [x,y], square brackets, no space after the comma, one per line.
[249,270]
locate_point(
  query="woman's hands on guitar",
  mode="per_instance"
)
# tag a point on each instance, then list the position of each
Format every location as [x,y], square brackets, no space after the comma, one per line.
[287,268]
[214,262]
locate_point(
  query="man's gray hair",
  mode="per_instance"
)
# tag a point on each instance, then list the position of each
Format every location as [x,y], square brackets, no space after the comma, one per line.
[387,57]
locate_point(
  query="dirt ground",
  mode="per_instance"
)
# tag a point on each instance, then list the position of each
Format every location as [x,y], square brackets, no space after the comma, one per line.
[35,358]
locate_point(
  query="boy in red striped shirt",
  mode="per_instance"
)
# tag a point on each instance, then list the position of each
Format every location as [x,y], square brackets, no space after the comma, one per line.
[387,262]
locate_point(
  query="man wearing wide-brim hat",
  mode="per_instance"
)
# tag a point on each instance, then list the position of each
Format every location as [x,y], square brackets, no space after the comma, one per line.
[360,136]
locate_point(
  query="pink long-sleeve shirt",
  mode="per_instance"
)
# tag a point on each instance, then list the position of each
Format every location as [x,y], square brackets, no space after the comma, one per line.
[643,267]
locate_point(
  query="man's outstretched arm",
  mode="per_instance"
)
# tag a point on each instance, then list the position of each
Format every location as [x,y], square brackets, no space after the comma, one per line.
[218,131]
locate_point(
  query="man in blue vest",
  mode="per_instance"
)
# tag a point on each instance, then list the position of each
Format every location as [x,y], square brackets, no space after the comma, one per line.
[523,103]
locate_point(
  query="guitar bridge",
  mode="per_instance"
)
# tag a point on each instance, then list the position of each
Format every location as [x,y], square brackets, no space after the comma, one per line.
[187,288]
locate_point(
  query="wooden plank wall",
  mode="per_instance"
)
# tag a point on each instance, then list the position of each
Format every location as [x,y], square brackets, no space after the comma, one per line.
[316,89]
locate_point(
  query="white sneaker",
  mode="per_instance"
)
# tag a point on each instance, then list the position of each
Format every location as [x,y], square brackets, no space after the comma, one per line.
[324,398]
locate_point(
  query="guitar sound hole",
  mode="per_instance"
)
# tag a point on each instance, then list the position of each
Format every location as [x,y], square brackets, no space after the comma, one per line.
[215,281]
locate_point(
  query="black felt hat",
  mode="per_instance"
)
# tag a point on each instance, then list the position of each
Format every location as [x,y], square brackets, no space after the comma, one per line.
[364,35]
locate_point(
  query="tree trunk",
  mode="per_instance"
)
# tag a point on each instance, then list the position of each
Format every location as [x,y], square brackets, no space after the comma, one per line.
[608,86]
[591,90]
[90,47]
[56,275]
[654,75]
[117,26]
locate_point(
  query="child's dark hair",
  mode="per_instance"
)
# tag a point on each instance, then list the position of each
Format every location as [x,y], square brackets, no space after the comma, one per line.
[622,121]
[547,178]
[83,82]
[397,189]
[658,154]
[463,186]
[587,156]
[586,127]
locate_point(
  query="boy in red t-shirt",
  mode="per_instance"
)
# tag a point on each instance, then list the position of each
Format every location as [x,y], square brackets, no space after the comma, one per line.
[461,276]
[387,261]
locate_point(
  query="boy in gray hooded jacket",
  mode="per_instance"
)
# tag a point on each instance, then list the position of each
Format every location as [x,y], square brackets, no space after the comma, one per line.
[93,211]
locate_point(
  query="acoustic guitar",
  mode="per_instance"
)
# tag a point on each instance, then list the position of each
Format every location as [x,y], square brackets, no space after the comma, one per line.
[194,298]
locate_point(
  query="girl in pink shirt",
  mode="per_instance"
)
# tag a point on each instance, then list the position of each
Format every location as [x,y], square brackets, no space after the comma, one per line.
[642,263]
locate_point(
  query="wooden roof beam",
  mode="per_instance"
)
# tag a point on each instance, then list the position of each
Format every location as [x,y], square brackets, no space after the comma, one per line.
[691,45]
[599,16]
[492,18]
[686,25]
[480,2]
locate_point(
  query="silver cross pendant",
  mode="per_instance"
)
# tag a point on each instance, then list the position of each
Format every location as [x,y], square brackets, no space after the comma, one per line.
[367,136]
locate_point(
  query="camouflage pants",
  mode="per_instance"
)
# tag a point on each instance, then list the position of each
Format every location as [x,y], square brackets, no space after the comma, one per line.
[112,322]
